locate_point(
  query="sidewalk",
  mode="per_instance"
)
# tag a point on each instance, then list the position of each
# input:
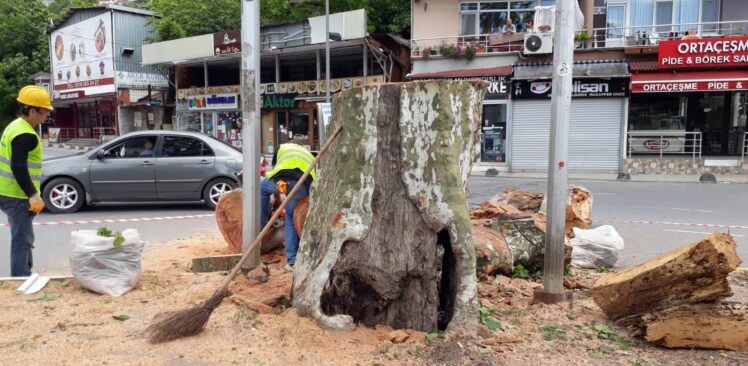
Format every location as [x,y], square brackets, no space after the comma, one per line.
[61,145]
[669,178]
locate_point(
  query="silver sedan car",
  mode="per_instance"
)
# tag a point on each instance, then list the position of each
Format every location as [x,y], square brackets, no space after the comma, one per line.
[146,166]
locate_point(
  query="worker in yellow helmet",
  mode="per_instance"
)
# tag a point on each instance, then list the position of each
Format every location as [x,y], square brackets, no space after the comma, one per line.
[20,175]
[289,164]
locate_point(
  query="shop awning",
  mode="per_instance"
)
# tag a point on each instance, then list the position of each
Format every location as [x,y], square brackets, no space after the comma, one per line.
[690,81]
[477,73]
[592,69]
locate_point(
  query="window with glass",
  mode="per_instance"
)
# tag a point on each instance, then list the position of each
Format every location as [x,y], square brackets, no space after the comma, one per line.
[664,16]
[492,17]
[183,146]
[616,20]
[686,14]
[493,147]
[141,146]
[665,112]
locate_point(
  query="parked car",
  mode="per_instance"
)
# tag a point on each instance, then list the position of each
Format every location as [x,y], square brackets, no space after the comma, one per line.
[146,166]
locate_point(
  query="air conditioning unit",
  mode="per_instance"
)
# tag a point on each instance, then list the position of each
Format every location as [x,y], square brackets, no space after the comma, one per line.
[538,43]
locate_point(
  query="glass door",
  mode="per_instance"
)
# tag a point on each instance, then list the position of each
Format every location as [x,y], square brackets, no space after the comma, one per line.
[493,146]
[616,21]
[208,124]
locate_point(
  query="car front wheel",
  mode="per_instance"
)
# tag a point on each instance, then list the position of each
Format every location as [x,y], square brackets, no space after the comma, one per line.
[216,189]
[63,195]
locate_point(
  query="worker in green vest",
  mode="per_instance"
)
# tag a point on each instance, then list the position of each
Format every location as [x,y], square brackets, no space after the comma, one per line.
[289,164]
[20,174]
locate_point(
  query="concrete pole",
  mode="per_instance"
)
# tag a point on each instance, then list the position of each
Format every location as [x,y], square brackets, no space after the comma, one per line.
[250,80]
[563,60]
[321,124]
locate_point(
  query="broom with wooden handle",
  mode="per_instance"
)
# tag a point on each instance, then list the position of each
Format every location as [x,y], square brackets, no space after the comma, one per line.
[189,322]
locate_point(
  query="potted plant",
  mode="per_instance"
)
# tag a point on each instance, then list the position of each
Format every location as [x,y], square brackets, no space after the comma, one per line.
[544,28]
[416,52]
[469,52]
[447,50]
[427,52]
[580,39]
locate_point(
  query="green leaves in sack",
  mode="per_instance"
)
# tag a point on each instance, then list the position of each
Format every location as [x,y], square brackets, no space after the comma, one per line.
[118,238]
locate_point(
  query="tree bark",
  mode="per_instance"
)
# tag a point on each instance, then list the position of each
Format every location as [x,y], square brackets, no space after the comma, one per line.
[392,189]
[692,274]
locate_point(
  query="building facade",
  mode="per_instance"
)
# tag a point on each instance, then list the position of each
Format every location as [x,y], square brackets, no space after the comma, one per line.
[634,108]
[100,89]
[292,75]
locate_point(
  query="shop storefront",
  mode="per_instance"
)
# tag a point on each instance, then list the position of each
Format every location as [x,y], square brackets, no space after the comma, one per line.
[214,111]
[596,128]
[496,108]
[693,112]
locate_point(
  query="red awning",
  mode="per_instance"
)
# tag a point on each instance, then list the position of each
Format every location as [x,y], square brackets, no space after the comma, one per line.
[691,81]
[477,73]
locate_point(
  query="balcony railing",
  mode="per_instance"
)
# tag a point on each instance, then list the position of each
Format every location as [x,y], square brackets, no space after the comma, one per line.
[613,37]
[661,143]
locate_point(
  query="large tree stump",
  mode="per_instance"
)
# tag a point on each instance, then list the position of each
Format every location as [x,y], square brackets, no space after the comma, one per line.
[692,274]
[229,219]
[391,190]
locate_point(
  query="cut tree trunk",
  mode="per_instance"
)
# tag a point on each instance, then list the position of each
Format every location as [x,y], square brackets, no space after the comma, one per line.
[391,189]
[719,326]
[229,220]
[692,274]
[578,209]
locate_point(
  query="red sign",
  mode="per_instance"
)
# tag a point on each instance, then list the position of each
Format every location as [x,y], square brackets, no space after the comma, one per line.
[85,84]
[72,95]
[710,52]
[687,86]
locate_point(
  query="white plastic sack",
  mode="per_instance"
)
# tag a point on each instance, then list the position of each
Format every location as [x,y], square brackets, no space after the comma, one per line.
[595,248]
[100,266]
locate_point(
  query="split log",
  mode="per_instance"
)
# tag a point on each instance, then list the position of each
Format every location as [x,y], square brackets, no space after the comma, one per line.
[692,274]
[578,209]
[229,220]
[717,326]
[391,189]
[522,200]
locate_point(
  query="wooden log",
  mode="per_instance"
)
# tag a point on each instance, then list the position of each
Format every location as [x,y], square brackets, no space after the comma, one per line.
[391,190]
[716,326]
[691,274]
[229,220]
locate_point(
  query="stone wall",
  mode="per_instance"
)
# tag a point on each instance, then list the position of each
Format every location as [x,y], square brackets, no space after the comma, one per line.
[678,166]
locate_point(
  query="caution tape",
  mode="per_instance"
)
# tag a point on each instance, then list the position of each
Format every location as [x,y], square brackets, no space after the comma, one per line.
[112,221]
[721,226]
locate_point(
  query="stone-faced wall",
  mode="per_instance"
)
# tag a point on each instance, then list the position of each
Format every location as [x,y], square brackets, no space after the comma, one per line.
[678,166]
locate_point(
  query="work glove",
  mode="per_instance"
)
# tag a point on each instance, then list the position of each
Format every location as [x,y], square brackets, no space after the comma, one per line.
[282,186]
[36,203]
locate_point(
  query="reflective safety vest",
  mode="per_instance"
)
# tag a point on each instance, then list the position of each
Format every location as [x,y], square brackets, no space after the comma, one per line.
[292,156]
[8,185]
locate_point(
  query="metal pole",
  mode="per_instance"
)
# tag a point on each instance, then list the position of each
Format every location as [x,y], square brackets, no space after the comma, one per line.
[563,59]
[321,124]
[250,80]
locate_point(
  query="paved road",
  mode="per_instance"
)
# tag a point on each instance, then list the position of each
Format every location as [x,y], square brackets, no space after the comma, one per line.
[616,201]
[694,203]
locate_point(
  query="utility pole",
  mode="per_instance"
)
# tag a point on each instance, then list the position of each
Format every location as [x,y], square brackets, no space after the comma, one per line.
[251,129]
[327,70]
[563,61]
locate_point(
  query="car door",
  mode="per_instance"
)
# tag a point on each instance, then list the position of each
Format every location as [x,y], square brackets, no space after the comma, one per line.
[183,166]
[125,171]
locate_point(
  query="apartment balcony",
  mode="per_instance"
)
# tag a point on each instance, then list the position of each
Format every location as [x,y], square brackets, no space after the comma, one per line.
[467,47]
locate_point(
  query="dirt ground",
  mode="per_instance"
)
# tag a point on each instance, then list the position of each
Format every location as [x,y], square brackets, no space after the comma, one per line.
[65,324]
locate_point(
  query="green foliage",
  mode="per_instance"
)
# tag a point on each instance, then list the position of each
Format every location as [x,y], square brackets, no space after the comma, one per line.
[105,232]
[121,317]
[604,332]
[603,270]
[46,297]
[487,318]
[520,272]
[553,332]
[432,336]
[194,17]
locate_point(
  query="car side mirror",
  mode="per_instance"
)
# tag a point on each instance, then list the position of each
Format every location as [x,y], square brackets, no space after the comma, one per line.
[100,154]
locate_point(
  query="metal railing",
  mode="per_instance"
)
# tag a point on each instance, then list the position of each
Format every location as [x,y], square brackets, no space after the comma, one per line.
[745,147]
[611,37]
[100,132]
[663,143]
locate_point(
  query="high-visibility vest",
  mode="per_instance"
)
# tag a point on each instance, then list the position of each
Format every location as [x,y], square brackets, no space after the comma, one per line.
[292,156]
[8,185]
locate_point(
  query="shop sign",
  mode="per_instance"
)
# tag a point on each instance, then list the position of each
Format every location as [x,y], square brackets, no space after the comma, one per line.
[225,89]
[712,52]
[499,87]
[278,101]
[72,95]
[687,86]
[227,42]
[141,79]
[215,101]
[581,88]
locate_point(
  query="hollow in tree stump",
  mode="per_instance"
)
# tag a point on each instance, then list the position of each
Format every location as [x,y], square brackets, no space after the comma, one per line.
[391,189]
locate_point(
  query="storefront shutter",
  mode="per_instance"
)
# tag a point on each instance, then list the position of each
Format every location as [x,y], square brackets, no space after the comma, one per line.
[594,136]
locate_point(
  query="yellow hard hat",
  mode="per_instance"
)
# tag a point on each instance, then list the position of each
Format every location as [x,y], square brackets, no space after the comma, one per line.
[35,96]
